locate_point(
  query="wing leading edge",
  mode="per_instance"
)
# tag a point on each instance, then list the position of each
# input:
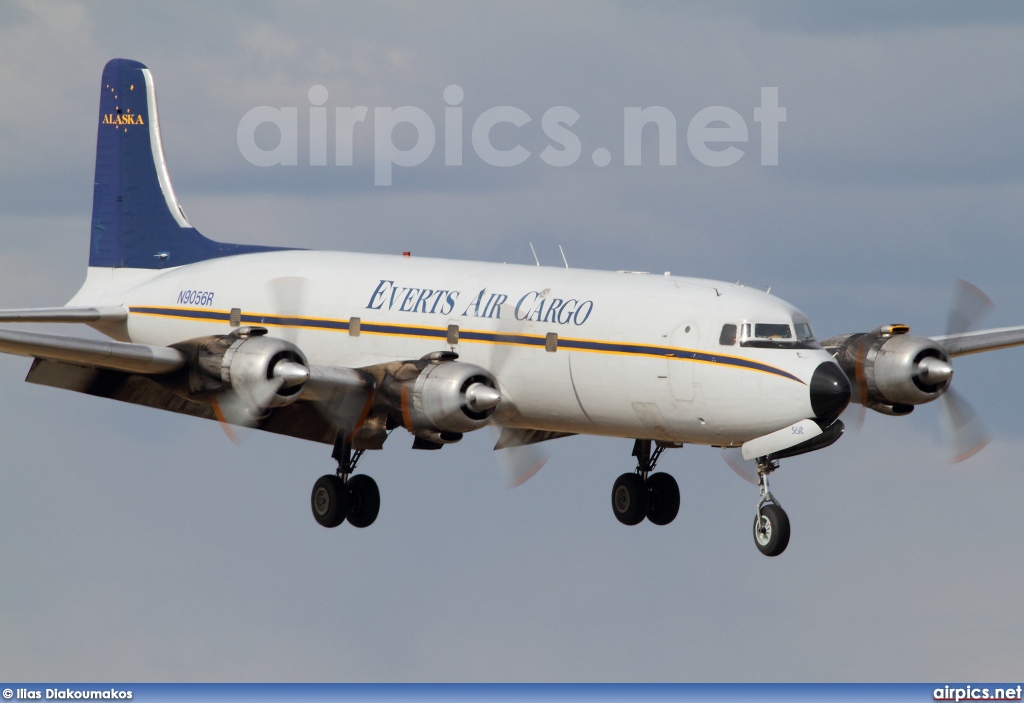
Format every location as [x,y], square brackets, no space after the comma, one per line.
[981,341]
[103,314]
[114,356]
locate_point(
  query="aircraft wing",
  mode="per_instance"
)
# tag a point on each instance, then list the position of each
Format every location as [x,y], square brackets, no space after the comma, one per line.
[104,314]
[334,397]
[114,356]
[981,341]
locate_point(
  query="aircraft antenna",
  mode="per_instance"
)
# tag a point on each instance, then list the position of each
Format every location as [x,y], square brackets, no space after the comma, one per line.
[563,256]
[534,254]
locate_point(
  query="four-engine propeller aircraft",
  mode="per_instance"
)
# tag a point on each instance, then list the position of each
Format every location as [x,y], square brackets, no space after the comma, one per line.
[343,348]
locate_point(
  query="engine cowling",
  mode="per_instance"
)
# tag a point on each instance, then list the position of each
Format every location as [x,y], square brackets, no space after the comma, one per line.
[893,371]
[271,371]
[268,372]
[453,397]
[438,398]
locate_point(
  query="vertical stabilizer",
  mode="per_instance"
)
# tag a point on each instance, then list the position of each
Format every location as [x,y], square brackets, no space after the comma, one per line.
[136,219]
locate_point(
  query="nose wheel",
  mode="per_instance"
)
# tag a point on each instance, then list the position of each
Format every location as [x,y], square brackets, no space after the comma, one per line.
[771,524]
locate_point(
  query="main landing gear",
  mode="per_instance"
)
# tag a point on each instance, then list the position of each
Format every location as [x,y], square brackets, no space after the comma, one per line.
[643,494]
[771,524]
[342,495]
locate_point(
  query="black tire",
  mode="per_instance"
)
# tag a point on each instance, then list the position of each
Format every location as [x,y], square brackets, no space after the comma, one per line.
[772,534]
[329,501]
[662,498]
[363,500]
[629,499]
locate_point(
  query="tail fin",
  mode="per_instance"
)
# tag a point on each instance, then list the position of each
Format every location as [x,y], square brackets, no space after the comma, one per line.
[136,219]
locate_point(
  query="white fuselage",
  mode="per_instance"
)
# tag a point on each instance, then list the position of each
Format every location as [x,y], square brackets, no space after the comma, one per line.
[636,355]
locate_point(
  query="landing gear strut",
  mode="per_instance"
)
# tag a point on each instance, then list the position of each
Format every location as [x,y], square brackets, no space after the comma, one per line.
[342,495]
[645,494]
[771,524]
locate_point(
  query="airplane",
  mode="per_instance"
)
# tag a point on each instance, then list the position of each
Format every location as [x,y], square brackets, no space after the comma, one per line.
[344,348]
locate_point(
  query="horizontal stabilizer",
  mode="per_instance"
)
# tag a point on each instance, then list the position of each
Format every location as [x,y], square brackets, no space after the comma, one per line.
[109,314]
[118,356]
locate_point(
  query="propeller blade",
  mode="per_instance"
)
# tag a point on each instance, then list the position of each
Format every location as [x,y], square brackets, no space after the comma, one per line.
[522,463]
[232,411]
[519,454]
[968,306]
[222,419]
[288,295]
[967,432]
[854,415]
[745,469]
[863,344]
[508,325]
[245,407]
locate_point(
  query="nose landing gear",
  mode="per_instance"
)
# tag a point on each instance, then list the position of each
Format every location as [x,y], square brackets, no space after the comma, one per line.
[771,524]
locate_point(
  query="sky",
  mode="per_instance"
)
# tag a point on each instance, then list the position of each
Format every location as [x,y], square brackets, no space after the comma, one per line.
[140,545]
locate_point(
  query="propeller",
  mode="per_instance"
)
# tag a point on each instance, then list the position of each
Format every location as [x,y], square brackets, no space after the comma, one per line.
[520,455]
[964,428]
[744,468]
[969,305]
[245,407]
[860,409]
[288,295]
[518,452]
[968,433]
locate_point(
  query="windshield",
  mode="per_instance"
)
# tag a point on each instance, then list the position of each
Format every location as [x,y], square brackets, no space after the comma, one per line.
[779,335]
[770,331]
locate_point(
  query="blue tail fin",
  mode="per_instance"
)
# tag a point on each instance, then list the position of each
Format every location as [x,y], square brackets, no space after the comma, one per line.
[136,219]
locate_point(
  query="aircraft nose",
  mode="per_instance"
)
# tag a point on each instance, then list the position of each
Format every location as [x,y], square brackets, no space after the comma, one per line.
[830,391]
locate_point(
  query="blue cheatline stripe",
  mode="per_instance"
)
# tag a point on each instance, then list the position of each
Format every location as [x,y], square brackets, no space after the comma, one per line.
[526,340]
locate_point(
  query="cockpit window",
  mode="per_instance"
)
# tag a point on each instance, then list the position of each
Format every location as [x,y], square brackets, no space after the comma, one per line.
[728,336]
[777,335]
[770,331]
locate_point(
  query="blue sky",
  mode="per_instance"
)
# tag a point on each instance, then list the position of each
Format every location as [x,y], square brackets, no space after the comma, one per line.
[144,546]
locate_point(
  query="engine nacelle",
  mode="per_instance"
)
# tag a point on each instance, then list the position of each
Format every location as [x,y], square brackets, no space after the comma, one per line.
[268,372]
[436,398]
[253,365]
[452,396]
[891,370]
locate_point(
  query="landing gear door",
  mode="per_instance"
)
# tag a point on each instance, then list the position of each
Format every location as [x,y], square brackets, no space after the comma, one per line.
[682,370]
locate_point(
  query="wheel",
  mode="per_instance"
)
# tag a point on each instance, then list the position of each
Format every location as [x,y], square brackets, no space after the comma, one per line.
[363,500]
[329,501]
[662,498]
[629,499]
[771,530]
